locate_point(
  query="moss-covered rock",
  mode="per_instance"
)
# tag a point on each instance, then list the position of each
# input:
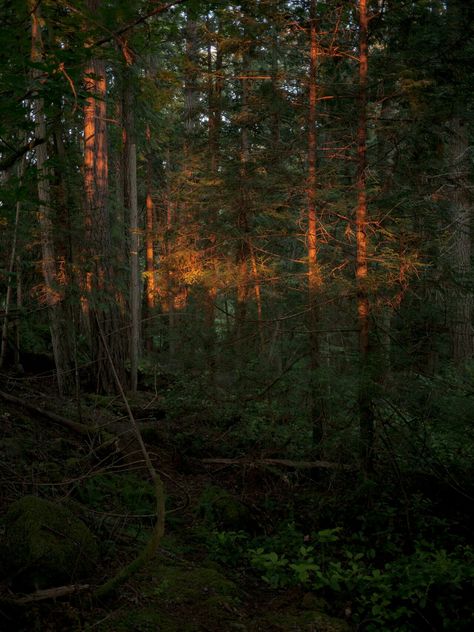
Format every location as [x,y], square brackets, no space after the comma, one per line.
[177,599]
[45,544]
[218,507]
[191,585]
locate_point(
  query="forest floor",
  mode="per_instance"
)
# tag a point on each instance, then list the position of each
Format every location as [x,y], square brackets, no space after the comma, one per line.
[195,582]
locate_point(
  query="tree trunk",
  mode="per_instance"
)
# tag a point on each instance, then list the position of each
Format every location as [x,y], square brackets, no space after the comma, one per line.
[366,415]
[149,242]
[460,305]
[52,291]
[131,204]
[317,404]
[103,310]
[214,129]
[11,269]
[191,92]
[243,227]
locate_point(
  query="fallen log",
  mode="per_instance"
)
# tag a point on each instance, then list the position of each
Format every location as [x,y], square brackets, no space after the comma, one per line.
[298,465]
[59,419]
[46,593]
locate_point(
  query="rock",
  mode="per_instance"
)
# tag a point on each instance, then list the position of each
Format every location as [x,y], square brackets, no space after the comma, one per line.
[180,599]
[45,545]
[220,508]
[193,585]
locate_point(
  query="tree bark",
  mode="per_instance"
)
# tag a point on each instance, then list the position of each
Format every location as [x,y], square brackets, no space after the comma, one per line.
[11,269]
[149,241]
[243,227]
[102,308]
[53,290]
[461,304]
[215,85]
[131,204]
[365,405]
[315,282]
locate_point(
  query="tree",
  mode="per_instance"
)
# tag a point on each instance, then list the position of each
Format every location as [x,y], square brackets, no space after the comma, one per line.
[315,280]
[52,292]
[102,311]
[366,414]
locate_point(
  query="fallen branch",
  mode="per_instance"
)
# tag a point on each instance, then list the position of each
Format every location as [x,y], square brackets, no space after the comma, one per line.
[298,465]
[47,593]
[81,429]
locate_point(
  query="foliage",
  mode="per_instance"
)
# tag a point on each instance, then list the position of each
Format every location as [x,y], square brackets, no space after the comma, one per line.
[427,585]
[118,493]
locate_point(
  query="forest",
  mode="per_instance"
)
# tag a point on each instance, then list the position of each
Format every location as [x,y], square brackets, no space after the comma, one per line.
[236,311]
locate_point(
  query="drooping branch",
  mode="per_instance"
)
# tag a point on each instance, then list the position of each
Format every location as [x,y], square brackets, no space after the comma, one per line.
[8,162]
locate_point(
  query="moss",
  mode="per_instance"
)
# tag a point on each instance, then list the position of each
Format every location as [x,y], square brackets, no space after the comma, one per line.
[219,507]
[141,620]
[290,621]
[196,585]
[178,600]
[313,602]
[45,544]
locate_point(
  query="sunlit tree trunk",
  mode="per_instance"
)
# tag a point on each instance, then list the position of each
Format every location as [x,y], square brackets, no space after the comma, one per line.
[53,290]
[258,294]
[366,415]
[102,306]
[170,285]
[315,281]
[149,240]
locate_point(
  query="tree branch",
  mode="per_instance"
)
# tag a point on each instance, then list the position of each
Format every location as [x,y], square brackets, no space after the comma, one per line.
[9,161]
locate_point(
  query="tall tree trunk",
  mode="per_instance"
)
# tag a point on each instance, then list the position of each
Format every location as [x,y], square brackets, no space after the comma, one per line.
[366,415]
[243,225]
[11,270]
[52,291]
[191,91]
[258,295]
[135,300]
[131,204]
[461,303]
[170,284]
[103,309]
[458,158]
[215,85]
[317,405]
[149,241]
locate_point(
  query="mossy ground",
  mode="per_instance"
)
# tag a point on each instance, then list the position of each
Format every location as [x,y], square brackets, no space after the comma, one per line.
[183,590]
